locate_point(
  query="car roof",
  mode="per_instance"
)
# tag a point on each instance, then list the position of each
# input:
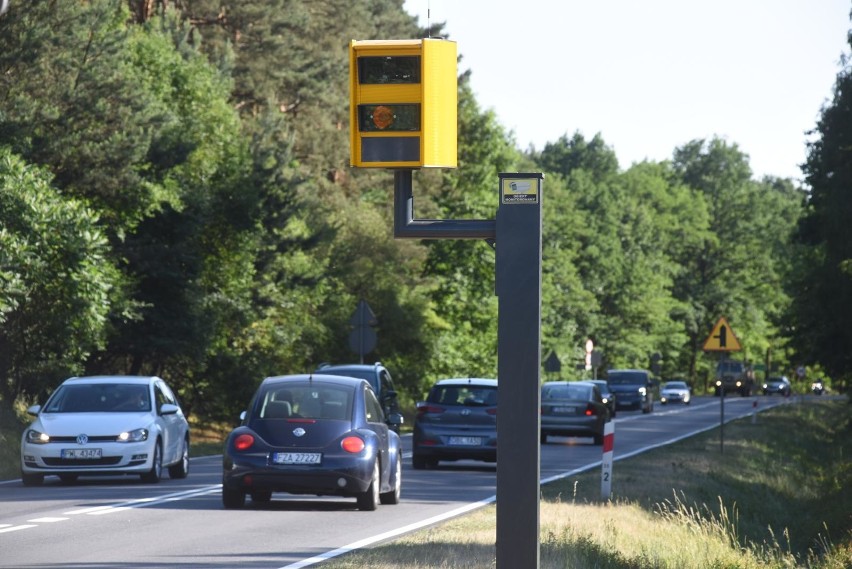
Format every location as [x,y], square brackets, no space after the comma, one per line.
[279,380]
[463,381]
[132,379]
[343,367]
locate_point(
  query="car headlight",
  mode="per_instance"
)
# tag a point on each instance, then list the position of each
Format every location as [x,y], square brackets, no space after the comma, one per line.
[718,383]
[136,436]
[642,391]
[37,438]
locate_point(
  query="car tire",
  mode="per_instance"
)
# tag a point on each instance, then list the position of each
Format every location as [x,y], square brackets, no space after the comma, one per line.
[368,500]
[599,439]
[233,499]
[32,479]
[261,497]
[181,468]
[156,473]
[392,497]
[418,462]
[422,463]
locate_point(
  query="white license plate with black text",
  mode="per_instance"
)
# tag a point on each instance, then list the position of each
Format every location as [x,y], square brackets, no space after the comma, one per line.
[296,457]
[465,441]
[81,453]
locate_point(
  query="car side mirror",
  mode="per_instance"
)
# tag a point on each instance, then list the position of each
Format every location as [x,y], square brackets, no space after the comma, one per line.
[33,410]
[168,409]
[389,395]
[395,418]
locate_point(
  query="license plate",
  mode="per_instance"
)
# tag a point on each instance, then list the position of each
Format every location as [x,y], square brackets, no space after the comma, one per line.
[296,457]
[466,441]
[81,453]
[564,410]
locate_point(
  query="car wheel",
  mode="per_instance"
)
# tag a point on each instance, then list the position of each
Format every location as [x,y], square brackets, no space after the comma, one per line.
[181,468]
[599,439]
[542,438]
[392,497]
[368,500]
[418,462]
[233,499]
[261,497]
[153,476]
[68,478]
[32,479]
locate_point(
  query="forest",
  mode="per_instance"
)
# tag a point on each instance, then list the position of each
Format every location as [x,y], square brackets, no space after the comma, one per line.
[176,200]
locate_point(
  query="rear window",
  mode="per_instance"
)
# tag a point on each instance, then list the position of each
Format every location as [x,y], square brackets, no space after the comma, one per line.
[312,401]
[471,395]
[566,392]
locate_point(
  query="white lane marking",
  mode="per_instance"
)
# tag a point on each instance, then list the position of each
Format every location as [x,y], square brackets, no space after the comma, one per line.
[46,520]
[16,528]
[144,502]
[388,535]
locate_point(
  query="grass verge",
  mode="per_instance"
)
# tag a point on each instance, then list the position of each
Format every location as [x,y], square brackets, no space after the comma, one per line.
[777,497]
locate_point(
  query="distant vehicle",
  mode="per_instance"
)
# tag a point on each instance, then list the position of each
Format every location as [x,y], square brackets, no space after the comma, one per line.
[380,380]
[633,389]
[313,434]
[606,393]
[733,377]
[675,392]
[572,409]
[106,425]
[777,384]
[458,420]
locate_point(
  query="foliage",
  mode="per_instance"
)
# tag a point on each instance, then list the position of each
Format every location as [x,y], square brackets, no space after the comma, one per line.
[56,280]
[194,155]
[823,285]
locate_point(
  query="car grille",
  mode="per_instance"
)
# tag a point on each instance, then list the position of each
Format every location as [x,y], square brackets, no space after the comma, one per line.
[73,439]
[106,461]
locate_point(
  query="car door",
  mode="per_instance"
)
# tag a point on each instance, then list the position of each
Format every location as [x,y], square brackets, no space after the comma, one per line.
[171,424]
[376,423]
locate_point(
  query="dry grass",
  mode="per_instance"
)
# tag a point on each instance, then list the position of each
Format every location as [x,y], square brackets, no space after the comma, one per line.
[767,502]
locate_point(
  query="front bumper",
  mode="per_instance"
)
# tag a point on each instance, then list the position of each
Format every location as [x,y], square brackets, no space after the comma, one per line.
[116,458]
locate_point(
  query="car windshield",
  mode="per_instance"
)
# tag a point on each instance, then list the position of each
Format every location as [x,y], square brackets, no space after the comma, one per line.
[309,400]
[99,398]
[675,385]
[626,378]
[566,392]
[470,395]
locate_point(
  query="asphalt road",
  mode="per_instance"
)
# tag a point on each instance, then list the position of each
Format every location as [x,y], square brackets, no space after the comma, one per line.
[121,522]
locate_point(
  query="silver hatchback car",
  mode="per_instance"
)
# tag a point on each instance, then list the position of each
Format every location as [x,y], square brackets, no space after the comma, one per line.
[106,425]
[457,421]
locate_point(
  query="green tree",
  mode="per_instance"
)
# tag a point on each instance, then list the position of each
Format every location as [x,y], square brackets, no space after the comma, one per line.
[735,271]
[55,281]
[823,302]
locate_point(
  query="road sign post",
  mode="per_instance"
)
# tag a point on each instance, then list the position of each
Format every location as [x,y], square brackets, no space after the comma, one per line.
[403,116]
[606,461]
[722,340]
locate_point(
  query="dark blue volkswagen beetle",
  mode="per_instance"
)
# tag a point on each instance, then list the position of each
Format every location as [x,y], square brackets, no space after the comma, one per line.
[313,434]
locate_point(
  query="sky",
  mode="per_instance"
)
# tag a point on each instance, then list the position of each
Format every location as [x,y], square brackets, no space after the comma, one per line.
[650,76]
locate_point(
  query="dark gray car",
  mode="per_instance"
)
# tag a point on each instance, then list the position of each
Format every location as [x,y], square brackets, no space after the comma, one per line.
[458,420]
[379,379]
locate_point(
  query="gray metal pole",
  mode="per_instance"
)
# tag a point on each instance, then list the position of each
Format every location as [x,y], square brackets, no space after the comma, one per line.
[518,265]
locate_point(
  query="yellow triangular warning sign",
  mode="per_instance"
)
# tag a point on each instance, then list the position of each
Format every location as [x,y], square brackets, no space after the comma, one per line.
[722,338]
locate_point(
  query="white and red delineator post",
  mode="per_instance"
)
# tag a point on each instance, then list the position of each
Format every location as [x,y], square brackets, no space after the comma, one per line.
[606,462]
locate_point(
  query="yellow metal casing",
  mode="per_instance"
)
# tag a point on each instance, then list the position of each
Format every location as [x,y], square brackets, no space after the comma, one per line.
[403,103]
